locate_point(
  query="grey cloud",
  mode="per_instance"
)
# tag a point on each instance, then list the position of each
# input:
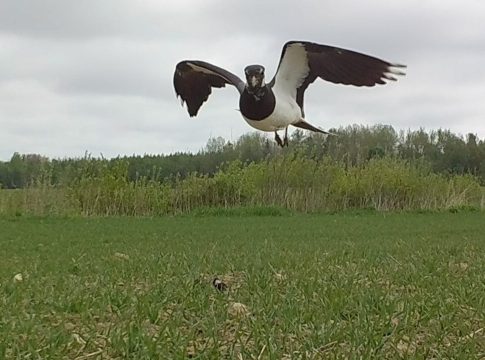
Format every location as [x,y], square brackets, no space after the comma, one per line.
[89,19]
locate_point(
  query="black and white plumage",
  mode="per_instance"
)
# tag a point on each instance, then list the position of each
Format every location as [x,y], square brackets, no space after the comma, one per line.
[219,284]
[278,104]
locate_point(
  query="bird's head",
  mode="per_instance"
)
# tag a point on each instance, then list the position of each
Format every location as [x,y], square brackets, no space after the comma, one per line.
[254,77]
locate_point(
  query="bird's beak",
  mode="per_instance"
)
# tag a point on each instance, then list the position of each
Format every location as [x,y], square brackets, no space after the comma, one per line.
[253,81]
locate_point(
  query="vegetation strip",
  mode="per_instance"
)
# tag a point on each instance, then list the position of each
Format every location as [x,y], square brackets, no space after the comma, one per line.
[352,285]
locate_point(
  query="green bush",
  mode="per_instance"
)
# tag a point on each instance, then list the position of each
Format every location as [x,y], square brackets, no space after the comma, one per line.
[294,182]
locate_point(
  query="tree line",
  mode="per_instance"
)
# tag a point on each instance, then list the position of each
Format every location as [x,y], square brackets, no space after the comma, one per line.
[441,150]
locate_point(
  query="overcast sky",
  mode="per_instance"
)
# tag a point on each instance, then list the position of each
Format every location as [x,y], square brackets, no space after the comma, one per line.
[96,76]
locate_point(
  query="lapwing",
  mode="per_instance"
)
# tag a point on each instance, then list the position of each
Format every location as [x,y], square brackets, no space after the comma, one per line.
[278,104]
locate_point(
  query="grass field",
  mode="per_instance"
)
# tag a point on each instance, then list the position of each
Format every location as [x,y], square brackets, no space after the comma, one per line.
[365,285]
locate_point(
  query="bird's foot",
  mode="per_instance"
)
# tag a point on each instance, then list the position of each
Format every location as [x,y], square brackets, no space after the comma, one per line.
[278,139]
[285,140]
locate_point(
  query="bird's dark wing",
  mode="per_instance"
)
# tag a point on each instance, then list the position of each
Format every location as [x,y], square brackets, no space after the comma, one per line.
[302,62]
[193,81]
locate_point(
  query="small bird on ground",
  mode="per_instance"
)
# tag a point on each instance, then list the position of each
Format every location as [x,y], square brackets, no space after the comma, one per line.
[219,284]
[275,105]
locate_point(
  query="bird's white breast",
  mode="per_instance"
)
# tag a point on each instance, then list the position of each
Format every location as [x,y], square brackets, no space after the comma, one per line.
[286,112]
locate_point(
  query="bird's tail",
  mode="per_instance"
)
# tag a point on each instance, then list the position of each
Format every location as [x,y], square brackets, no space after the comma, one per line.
[307,126]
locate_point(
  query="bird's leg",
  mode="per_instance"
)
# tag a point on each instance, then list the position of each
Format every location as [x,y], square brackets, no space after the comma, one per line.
[285,140]
[278,139]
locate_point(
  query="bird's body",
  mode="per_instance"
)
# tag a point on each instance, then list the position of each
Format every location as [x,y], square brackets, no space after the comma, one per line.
[276,110]
[275,106]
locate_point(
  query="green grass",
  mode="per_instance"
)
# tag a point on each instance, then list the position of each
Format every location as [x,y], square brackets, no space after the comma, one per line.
[360,285]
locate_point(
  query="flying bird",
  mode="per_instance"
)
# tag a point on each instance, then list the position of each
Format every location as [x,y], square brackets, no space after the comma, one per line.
[275,105]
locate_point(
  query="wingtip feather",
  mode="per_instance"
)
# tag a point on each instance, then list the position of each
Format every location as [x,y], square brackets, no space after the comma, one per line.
[394,69]
[387,76]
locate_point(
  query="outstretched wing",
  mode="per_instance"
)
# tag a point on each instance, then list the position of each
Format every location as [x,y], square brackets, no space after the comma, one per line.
[302,62]
[193,81]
